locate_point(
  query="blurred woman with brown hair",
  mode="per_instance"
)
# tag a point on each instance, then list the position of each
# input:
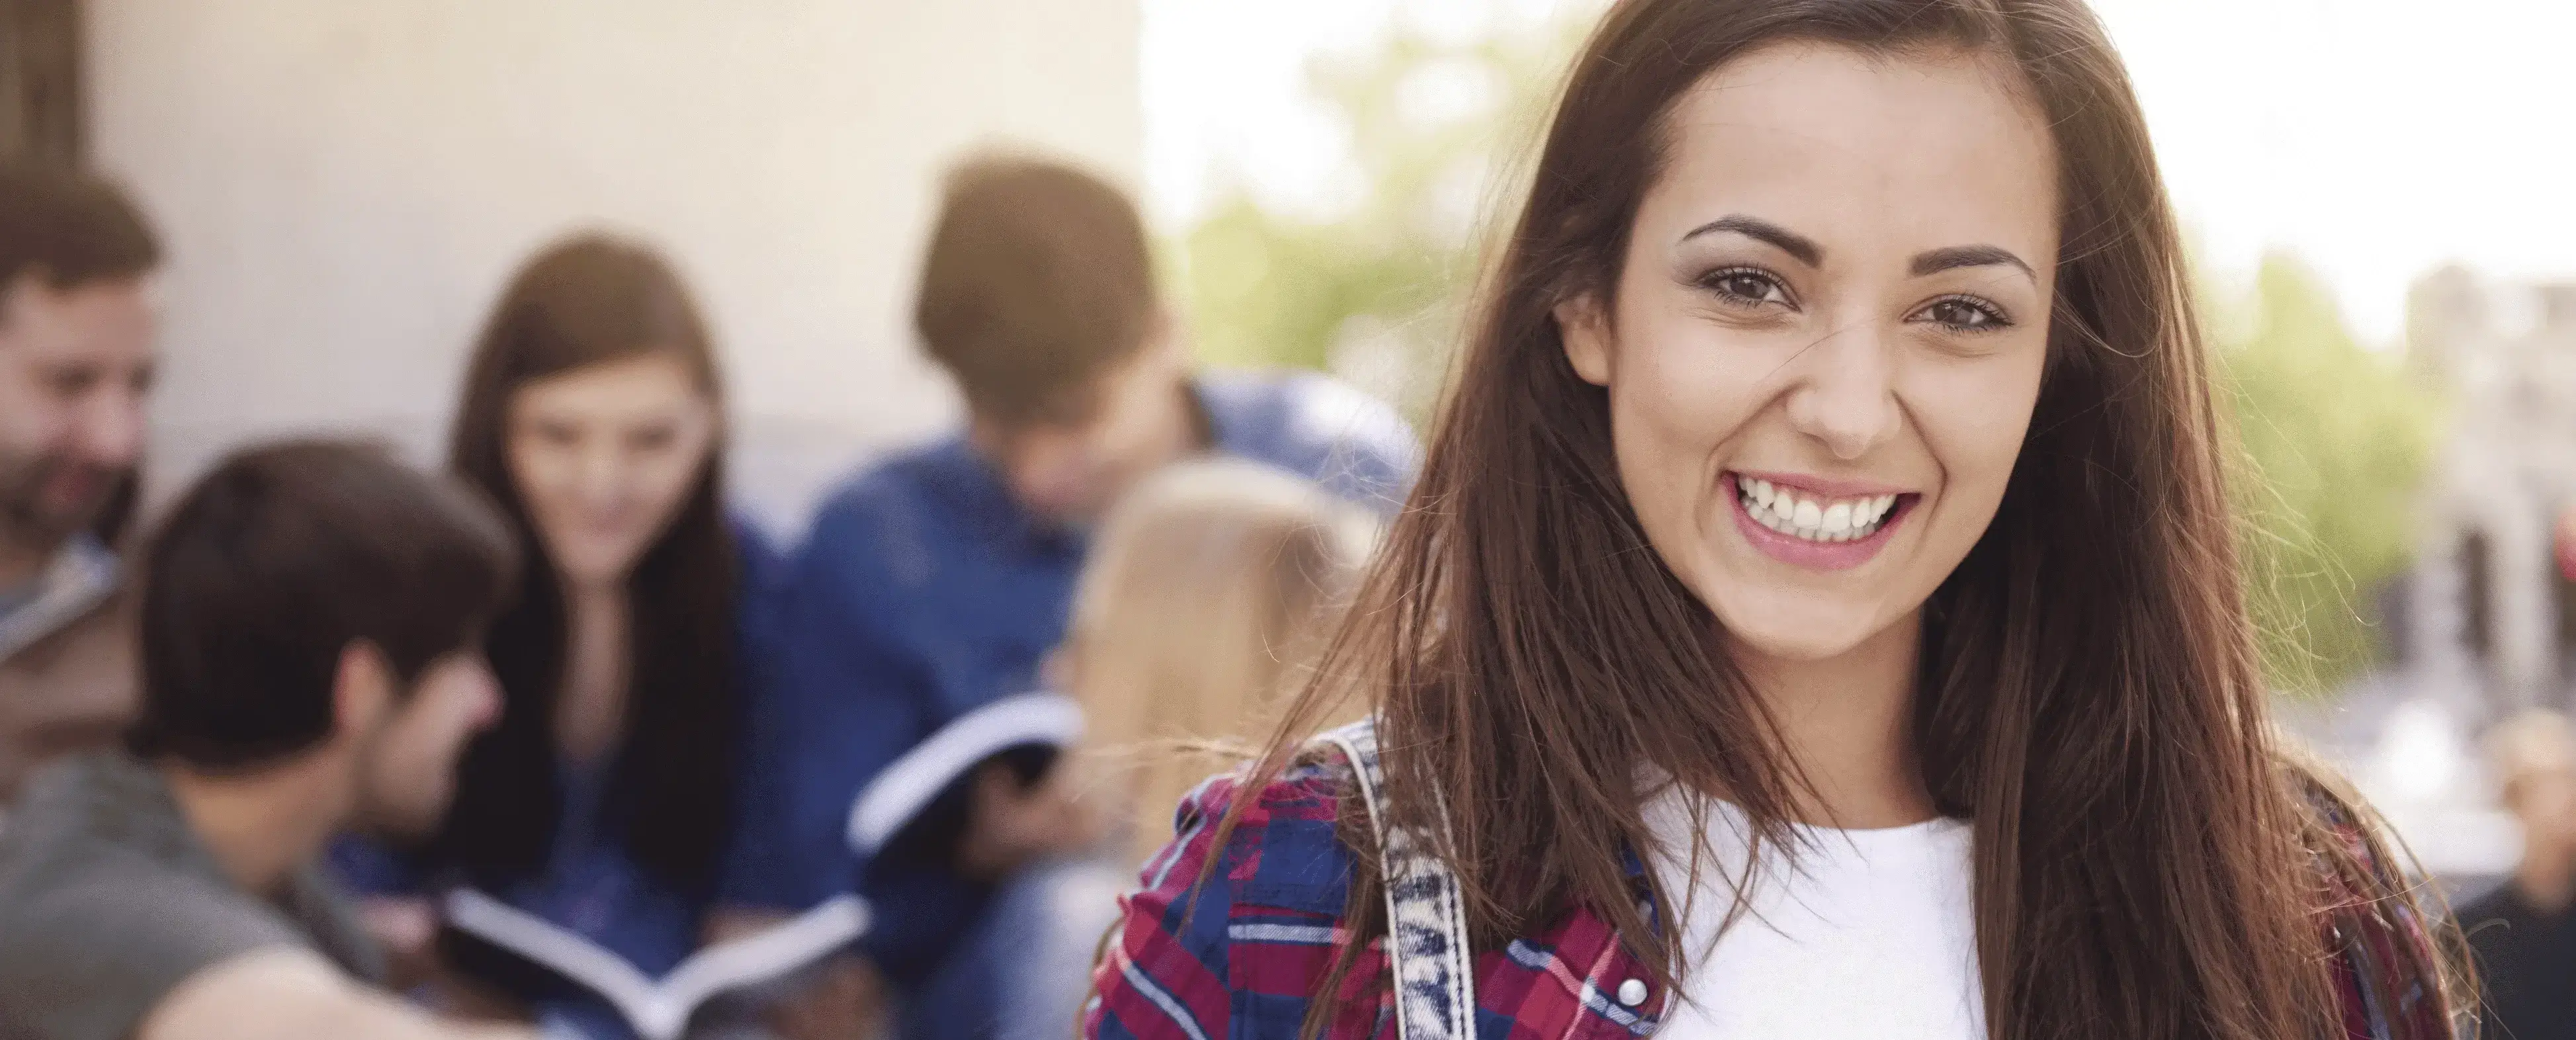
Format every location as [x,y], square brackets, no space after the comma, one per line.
[1819,614]
[593,415]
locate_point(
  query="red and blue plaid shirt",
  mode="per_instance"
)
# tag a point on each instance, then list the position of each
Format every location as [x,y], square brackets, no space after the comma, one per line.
[1239,957]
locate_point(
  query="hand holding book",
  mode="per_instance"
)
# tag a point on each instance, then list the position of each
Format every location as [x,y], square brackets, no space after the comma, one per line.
[658,1008]
[1014,822]
[991,789]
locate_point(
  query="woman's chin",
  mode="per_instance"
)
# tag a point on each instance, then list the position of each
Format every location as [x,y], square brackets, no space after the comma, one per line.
[1799,630]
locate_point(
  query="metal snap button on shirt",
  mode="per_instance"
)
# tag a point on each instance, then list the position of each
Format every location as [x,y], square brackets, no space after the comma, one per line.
[1632,992]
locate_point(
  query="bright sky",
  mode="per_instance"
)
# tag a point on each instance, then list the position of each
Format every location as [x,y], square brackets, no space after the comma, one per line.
[2376,139]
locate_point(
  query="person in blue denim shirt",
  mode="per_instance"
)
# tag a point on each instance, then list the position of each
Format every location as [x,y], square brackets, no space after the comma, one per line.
[935,581]
[602,800]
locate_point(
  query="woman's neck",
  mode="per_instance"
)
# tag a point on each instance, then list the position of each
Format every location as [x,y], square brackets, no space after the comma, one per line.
[590,709]
[1847,721]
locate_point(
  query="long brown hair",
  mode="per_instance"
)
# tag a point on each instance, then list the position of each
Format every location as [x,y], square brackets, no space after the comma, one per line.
[2148,860]
[584,301]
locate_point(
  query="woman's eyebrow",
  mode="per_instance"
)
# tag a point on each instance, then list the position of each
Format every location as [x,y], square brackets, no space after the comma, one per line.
[1790,242]
[1928,262]
[1951,258]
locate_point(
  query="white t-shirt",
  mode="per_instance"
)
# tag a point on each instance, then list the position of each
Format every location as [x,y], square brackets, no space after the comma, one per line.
[1872,934]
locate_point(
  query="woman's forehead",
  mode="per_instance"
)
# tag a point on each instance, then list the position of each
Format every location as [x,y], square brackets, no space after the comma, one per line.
[1938,144]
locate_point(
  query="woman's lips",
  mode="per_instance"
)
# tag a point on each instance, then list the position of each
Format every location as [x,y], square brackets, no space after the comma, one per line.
[1816,523]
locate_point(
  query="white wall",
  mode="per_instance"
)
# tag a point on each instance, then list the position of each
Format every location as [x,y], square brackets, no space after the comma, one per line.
[344,184]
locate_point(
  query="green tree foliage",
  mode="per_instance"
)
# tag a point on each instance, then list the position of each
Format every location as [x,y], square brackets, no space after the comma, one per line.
[2333,435]
[2335,440]
[1375,289]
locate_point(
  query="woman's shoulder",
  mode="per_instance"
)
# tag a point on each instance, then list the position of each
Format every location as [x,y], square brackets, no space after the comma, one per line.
[2392,973]
[1284,849]
[1250,904]
[755,549]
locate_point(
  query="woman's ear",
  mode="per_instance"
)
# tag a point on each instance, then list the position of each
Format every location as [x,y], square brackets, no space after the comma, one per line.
[1586,334]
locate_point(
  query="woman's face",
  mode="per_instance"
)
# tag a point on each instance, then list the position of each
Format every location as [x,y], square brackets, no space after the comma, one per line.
[603,454]
[1827,335]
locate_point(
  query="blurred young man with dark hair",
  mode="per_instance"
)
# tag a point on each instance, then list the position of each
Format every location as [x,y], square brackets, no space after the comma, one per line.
[309,620]
[76,355]
[934,582]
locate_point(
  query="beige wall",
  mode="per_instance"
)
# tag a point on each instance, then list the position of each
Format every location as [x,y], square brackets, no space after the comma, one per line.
[344,184]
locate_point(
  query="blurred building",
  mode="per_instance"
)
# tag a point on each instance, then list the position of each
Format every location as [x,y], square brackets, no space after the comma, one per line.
[344,187]
[2487,607]
[2485,623]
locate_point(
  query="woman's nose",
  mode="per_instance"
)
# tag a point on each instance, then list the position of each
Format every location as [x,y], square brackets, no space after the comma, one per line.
[1845,395]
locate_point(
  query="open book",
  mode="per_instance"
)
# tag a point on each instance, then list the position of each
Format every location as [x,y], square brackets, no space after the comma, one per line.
[916,809]
[659,1010]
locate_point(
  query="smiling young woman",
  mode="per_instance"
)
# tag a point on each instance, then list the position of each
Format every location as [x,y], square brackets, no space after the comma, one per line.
[1818,614]
[631,659]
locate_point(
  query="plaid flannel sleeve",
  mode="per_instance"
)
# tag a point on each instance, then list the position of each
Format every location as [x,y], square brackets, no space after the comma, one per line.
[1230,940]
[1165,973]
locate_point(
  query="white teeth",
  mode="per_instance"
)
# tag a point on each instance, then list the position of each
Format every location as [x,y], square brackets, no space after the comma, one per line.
[1780,510]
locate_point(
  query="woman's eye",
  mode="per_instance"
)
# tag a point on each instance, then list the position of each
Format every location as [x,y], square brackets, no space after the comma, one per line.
[658,438]
[1746,287]
[1964,315]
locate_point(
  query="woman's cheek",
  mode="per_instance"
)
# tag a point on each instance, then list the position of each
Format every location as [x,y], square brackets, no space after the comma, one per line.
[538,471]
[1972,412]
[1693,388]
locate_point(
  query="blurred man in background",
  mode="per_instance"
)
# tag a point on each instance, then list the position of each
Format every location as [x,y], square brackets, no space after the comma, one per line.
[310,657]
[934,582]
[2524,932]
[76,354]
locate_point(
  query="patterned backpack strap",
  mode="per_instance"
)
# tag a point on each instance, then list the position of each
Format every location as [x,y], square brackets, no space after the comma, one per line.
[1435,988]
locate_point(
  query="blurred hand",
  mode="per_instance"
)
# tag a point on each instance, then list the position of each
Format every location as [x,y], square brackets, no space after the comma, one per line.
[840,999]
[1014,825]
[846,1001]
[406,927]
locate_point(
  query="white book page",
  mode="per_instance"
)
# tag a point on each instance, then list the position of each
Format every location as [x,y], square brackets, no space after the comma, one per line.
[905,787]
[661,1010]
[769,953]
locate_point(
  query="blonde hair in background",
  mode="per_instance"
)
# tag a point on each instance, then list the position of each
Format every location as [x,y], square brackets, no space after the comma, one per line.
[1210,591]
